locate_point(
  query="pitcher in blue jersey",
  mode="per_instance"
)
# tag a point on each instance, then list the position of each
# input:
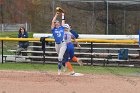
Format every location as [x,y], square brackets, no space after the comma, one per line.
[58,34]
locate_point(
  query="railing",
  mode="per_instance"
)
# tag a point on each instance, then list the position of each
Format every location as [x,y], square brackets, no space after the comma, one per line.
[91,41]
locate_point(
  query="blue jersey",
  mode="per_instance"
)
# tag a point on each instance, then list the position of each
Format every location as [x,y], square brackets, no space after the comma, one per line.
[58,34]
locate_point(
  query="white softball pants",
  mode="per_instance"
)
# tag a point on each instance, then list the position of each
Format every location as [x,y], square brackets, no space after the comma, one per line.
[60,49]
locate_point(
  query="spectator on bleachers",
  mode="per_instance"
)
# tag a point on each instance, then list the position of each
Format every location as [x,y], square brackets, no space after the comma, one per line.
[22,45]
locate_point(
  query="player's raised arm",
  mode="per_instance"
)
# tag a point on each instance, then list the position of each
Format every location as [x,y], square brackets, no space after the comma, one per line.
[53,21]
[63,19]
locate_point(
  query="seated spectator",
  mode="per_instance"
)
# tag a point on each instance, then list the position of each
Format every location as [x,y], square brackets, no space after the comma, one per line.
[22,45]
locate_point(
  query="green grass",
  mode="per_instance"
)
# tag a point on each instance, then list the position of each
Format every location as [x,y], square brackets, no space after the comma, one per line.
[13,34]
[8,34]
[108,70]
[27,67]
[84,69]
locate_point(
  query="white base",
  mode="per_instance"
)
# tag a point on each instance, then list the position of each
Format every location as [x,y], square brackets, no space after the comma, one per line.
[77,74]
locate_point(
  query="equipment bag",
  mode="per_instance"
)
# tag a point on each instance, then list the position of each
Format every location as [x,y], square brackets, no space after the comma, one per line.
[123,54]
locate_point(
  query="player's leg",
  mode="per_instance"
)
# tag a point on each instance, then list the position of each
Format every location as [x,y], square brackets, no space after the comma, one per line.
[73,57]
[66,62]
[57,48]
[59,67]
[71,50]
[61,48]
[62,51]
[65,59]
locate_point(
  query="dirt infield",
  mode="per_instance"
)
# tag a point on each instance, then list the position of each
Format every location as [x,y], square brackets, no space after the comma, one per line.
[46,82]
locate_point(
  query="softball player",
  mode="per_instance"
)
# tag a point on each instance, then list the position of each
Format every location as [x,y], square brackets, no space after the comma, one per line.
[58,33]
[70,48]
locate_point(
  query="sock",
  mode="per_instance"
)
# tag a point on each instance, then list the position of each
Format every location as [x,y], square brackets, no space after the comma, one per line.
[74,59]
[69,66]
[63,64]
[59,65]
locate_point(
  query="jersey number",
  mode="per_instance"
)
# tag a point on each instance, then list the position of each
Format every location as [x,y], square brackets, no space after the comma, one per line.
[59,34]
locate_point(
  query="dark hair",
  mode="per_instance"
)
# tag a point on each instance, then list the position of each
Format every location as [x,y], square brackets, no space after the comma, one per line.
[20,30]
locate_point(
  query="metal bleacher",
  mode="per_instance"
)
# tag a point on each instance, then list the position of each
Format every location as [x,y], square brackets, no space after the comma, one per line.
[89,53]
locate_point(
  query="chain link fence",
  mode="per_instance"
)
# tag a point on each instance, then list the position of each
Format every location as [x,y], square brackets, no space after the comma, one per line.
[103,16]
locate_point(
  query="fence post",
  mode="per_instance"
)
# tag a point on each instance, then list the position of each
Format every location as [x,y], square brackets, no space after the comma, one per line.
[26,26]
[91,53]
[44,56]
[2,27]
[139,43]
[42,39]
[2,50]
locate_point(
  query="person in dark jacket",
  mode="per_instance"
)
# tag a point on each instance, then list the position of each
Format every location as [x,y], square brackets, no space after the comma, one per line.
[74,32]
[22,45]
